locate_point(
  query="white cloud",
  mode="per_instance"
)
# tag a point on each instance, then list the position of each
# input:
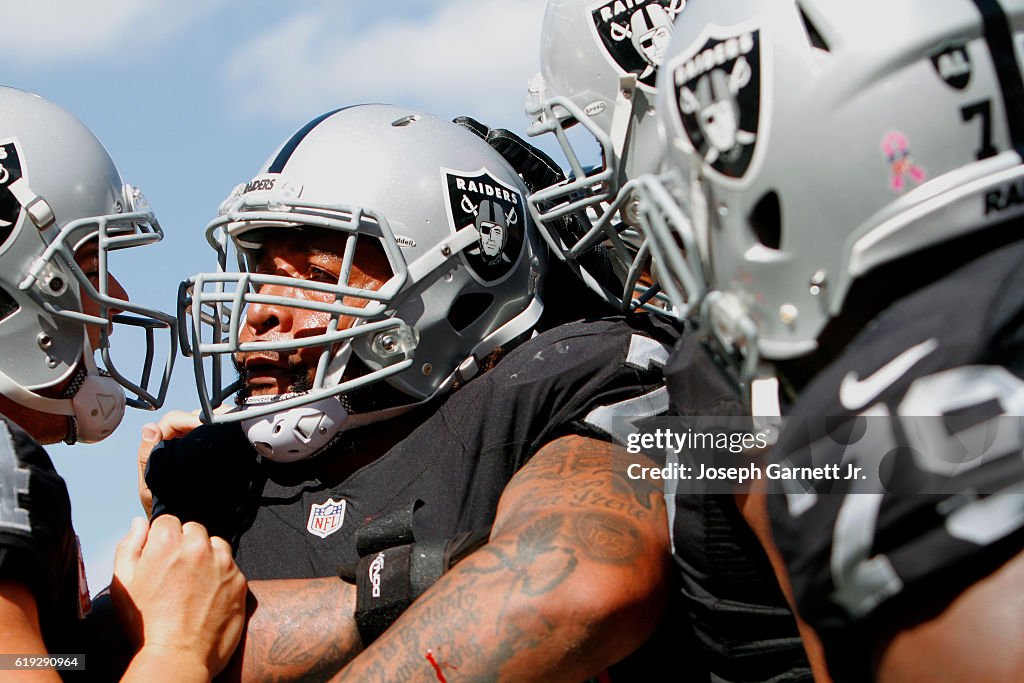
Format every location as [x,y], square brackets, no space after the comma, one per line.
[468,56]
[55,31]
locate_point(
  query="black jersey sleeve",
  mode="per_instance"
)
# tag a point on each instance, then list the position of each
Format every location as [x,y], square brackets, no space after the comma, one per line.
[37,542]
[931,412]
[203,477]
[594,378]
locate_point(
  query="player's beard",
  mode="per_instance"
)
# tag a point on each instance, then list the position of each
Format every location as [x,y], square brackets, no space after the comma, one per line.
[300,379]
[370,398]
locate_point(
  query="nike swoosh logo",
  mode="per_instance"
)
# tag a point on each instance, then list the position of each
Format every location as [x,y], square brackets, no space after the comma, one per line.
[856,393]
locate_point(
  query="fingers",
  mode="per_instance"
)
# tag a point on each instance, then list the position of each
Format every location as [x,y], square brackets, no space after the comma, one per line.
[223,556]
[129,549]
[172,425]
[178,423]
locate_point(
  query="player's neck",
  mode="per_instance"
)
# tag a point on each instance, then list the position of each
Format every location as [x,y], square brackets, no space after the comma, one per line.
[43,427]
[360,447]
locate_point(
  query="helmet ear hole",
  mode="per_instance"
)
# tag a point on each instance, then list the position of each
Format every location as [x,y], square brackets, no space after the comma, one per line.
[468,308]
[766,221]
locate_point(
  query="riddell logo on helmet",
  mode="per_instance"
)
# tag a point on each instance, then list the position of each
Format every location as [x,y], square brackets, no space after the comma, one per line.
[718,91]
[10,171]
[635,33]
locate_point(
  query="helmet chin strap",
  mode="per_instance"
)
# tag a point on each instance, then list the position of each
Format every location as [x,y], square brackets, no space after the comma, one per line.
[303,431]
[297,433]
[98,402]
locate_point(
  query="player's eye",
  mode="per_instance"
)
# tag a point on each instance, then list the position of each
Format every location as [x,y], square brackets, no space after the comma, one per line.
[322,275]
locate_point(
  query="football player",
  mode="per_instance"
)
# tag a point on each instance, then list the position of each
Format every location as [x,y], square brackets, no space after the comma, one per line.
[364,306]
[63,209]
[592,75]
[595,91]
[861,246]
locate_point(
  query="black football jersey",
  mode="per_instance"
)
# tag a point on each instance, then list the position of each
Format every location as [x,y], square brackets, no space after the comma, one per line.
[915,415]
[293,521]
[744,628]
[38,546]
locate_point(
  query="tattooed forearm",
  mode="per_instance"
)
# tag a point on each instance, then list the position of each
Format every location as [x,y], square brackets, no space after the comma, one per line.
[297,630]
[526,606]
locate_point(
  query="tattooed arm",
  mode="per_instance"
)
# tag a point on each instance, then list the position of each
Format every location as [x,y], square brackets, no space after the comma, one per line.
[298,629]
[573,579]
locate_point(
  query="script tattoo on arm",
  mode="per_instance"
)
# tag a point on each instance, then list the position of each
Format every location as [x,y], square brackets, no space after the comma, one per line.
[571,580]
[298,629]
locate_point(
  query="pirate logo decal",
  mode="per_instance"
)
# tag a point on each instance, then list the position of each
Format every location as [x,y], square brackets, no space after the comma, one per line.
[635,34]
[496,210]
[10,171]
[718,89]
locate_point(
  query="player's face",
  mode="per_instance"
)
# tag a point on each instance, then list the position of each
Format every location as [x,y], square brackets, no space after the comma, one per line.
[88,260]
[308,255]
[47,427]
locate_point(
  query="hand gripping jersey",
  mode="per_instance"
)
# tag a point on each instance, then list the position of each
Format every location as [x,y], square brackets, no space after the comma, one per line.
[298,520]
[919,402]
[38,546]
[744,628]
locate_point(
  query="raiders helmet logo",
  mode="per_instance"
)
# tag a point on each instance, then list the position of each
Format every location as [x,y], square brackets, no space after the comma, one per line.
[717,89]
[10,171]
[953,65]
[634,34]
[496,210]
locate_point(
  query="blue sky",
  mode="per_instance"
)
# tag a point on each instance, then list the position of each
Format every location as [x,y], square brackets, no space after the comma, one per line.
[191,97]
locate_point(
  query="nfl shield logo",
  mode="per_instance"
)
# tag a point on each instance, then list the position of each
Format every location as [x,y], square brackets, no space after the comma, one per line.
[326,518]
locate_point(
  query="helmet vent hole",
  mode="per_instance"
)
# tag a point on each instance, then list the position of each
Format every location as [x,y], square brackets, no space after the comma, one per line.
[405,120]
[468,308]
[766,221]
[812,32]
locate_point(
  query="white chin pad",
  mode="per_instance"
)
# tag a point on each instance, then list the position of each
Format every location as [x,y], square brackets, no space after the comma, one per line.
[99,405]
[296,433]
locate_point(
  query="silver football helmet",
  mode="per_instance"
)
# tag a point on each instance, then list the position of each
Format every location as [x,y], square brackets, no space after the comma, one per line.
[59,190]
[450,215]
[810,142]
[599,62]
